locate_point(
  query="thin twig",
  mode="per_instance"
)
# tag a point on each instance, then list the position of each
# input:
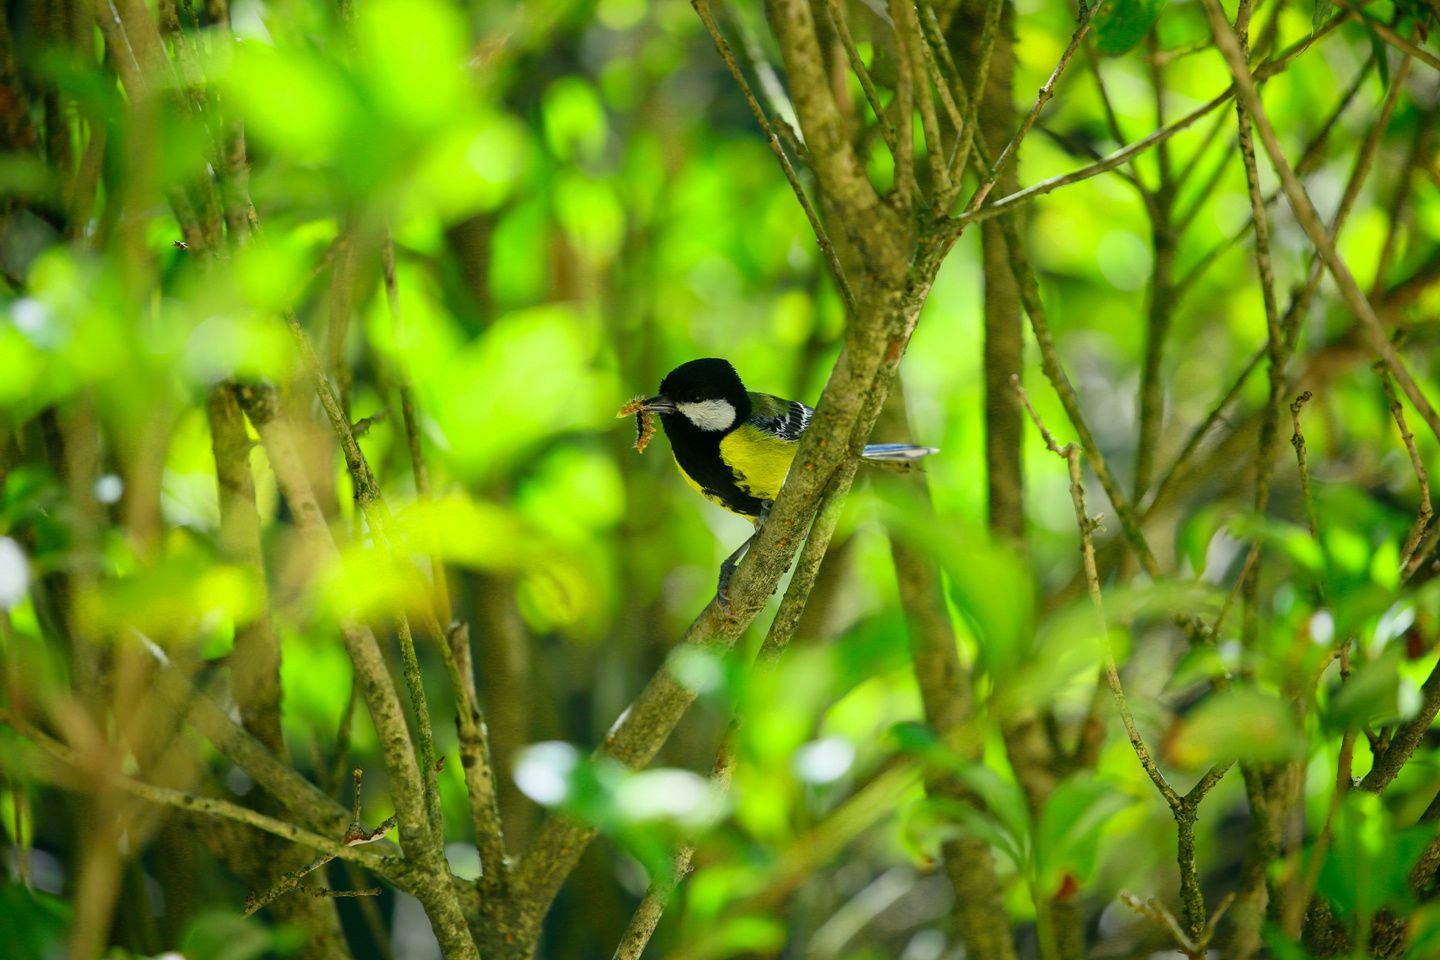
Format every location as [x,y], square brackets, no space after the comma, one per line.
[1054,372]
[355,835]
[1419,144]
[1070,453]
[1303,882]
[1297,440]
[1384,32]
[841,23]
[1197,436]
[1270,68]
[1041,99]
[905,87]
[702,8]
[1393,755]
[179,799]
[1313,153]
[1305,213]
[1408,552]
[1155,911]
[657,896]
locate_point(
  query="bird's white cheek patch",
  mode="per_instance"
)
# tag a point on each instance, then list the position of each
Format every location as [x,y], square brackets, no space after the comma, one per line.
[709,414]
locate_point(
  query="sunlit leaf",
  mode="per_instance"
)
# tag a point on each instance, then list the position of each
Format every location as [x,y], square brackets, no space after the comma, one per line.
[574,119]
[1237,724]
[1369,861]
[1121,24]
[1373,695]
[1067,837]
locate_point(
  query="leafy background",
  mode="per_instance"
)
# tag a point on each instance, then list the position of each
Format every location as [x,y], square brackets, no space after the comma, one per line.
[579,200]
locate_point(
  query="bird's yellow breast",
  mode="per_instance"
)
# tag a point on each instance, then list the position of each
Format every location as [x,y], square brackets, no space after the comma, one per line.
[758,459]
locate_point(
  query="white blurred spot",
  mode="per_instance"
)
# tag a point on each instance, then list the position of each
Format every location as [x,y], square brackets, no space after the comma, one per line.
[542,771]
[32,318]
[1393,623]
[1220,552]
[925,945]
[1408,698]
[14,574]
[464,860]
[698,670]
[824,761]
[668,794]
[1230,651]
[1322,628]
[1123,259]
[109,488]
[413,937]
[237,780]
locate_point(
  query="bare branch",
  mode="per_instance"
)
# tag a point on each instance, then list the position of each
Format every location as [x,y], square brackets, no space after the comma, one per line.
[1384,32]
[1309,219]
[1055,373]
[702,8]
[905,90]
[179,799]
[1409,551]
[841,23]
[1266,70]
[1297,440]
[1071,455]
[1041,99]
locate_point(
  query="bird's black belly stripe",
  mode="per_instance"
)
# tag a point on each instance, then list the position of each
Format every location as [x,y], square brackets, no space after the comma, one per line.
[698,454]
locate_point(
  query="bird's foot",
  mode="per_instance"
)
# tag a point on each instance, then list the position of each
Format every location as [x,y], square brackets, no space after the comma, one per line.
[722,588]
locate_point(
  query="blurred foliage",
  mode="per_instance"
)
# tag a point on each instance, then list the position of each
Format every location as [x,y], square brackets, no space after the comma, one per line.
[579,200]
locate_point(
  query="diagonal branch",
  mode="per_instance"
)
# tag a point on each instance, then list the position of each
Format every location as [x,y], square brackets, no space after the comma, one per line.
[1046,93]
[955,225]
[421,838]
[1422,519]
[1305,212]
[1070,453]
[702,8]
[209,806]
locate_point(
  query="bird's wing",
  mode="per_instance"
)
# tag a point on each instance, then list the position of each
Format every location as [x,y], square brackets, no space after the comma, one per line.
[785,419]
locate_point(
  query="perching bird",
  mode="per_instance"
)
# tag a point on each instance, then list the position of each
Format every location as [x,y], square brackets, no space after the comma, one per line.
[735,446]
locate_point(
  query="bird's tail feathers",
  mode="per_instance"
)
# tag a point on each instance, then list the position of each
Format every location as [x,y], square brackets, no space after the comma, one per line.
[893,452]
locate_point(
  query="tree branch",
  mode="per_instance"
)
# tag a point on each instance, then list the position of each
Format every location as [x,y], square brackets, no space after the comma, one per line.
[1305,213]
[179,799]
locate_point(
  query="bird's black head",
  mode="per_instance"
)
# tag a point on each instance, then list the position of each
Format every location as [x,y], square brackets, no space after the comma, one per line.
[708,394]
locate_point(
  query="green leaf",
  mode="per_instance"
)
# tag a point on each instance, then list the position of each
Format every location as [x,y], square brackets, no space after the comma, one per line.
[928,823]
[989,585]
[1003,799]
[1192,542]
[1202,662]
[1372,695]
[222,935]
[1368,864]
[1121,24]
[1238,724]
[575,124]
[1067,838]
[35,923]
[1294,541]
[1322,13]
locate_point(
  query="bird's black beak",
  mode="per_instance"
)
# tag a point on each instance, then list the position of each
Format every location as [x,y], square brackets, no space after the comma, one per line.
[658,404]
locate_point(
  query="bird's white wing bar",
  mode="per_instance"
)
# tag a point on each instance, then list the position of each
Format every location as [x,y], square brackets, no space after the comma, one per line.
[896,451]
